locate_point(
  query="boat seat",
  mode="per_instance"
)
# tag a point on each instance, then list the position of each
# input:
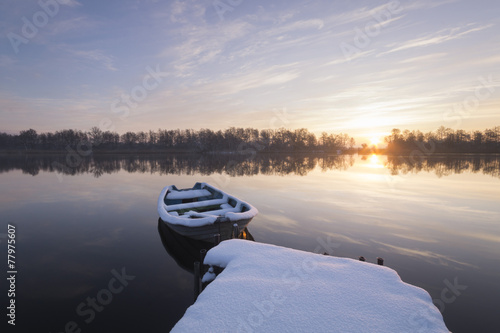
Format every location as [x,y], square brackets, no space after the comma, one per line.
[196,204]
[216,213]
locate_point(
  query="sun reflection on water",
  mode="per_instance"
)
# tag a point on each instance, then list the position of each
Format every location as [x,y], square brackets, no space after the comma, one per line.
[375,162]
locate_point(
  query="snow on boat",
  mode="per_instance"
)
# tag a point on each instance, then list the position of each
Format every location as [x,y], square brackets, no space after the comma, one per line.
[203,211]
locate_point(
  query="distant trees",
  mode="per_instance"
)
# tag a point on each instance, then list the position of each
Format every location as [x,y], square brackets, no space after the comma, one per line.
[445,140]
[204,140]
[28,138]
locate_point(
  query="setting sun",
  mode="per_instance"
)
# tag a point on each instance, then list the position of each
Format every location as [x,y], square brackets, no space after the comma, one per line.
[375,140]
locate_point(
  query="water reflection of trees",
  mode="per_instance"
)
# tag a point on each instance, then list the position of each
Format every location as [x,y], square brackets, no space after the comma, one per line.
[445,165]
[240,164]
[178,164]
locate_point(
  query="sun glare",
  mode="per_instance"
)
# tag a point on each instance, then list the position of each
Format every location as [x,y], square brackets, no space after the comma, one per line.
[375,141]
[375,162]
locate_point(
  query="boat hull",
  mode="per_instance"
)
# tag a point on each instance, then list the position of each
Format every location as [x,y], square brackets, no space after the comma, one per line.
[209,232]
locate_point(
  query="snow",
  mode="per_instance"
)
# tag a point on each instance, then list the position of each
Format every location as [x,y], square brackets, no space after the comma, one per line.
[196,204]
[215,213]
[206,218]
[175,195]
[266,288]
[249,214]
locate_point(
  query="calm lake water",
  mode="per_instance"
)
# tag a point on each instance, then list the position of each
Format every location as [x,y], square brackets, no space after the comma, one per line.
[92,231]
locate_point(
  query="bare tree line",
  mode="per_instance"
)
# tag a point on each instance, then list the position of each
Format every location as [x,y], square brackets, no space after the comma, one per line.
[203,140]
[445,140]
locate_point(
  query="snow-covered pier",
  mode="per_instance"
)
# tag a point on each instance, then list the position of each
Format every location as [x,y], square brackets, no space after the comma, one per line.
[266,288]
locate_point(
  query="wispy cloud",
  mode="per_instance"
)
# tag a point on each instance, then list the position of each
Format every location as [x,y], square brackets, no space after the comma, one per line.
[202,44]
[97,56]
[70,25]
[297,25]
[344,60]
[424,58]
[183,11]
[439,37]
[70,3]
[274,75]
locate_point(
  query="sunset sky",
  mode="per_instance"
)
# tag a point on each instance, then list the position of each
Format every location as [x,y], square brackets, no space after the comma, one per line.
[358,67]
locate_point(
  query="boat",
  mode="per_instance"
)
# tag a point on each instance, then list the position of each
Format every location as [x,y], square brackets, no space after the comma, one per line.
[184,250]
[203,211]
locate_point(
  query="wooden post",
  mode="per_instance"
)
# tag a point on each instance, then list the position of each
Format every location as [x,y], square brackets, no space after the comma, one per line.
[197,280]
[216,239]
[203,253]
[380,261]
[236,231]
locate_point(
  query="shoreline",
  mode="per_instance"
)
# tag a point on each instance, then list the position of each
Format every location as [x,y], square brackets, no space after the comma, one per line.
[187,152]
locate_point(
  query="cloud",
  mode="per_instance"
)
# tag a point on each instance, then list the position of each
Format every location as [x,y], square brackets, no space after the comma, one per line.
[69,3]
[273,75]
[68,26]
[440,37]
[424,58]
[202,44]
[344,60]
[185,11]
[297,25]
[97,56]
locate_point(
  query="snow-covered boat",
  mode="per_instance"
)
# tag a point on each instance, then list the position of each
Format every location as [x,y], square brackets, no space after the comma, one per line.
[203,211]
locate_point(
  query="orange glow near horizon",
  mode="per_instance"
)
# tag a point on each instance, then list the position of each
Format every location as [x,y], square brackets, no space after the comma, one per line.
[375,141]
